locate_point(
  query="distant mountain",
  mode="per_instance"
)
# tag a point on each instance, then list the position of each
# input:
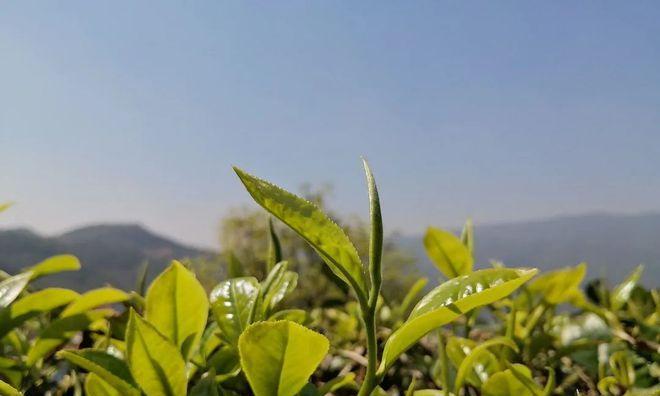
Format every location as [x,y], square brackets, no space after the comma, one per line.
[108,253]
[612,245]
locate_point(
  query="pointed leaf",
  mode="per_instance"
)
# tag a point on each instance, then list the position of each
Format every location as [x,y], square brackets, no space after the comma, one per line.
[112,370]
[505,383]
[61,330]
[95,386]
[154,361]
[621,293]
[314,226]
[467,236]
[177,306]
[447,252]
[559,286]
[279,357]
[476,359]
[449,301]
[55,264]
[8,390]
[95,298]
[12,287]
[32,305]
[233,302]
[274,247]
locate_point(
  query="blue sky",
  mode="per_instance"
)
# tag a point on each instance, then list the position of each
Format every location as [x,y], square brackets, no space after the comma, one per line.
[503,111]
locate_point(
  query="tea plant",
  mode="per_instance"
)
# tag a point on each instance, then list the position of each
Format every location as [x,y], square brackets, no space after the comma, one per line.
[490,331]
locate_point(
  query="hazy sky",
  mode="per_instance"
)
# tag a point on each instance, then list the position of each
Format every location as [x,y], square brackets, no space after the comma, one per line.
[134,111]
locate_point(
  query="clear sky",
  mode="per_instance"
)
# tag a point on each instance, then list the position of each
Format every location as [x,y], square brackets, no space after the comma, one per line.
[499,110]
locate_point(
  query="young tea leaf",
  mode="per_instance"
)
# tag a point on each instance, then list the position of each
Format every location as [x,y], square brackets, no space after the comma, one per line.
[95,386]
[622,292]
[447,252]
[449,301]
[314,226]
[54,265]
[154,361]
[279,357]
[559,286]
[233,302]
[177,306]
[107,367]
[12,287]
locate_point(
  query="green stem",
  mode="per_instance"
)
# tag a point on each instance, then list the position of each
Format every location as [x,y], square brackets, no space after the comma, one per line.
[369,321]
[444,364]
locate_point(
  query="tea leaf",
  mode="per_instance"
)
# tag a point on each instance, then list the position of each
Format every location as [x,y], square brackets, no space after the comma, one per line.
[55,264]
[314,226]
[622,292]
[95,298]
[12,287]
[95,386]
[561,285]
[447,252]
[8,390]
[279,357]
[107,367]
[233,302]
[177,306]
[32,305]
[449,301]
[154,361]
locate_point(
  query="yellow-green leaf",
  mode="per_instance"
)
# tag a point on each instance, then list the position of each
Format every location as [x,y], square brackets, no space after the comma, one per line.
[55,264]
[279,357]
[477,359]
[32,305]
[155,362]
[447,252]
[110,369]
[561,285]
[8,390]
[314,226]
[95,386]
[233,302]
[12,287]
[177,306]
[621,292]
[449,301]
[507,383]
[95,298]
[61,330]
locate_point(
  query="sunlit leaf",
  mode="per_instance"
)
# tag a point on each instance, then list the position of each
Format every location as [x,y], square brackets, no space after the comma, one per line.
[274,247]
[233,302]
[478,359]
[447,252]
[61,330]
[449,301]
[55,264]
[32,305]
[95,298]
[12,287]
[622,292]
[95,386]
[176,304]
[326,237]
[559,286]
[505,383]
[345,381]
[8,390]
[279,357]
[154,361]
[107,367]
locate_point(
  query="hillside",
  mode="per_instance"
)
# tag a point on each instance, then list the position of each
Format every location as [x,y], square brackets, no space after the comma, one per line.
[612,245]
[109,253]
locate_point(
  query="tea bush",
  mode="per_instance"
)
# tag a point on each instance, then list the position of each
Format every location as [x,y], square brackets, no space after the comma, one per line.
[490,331]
